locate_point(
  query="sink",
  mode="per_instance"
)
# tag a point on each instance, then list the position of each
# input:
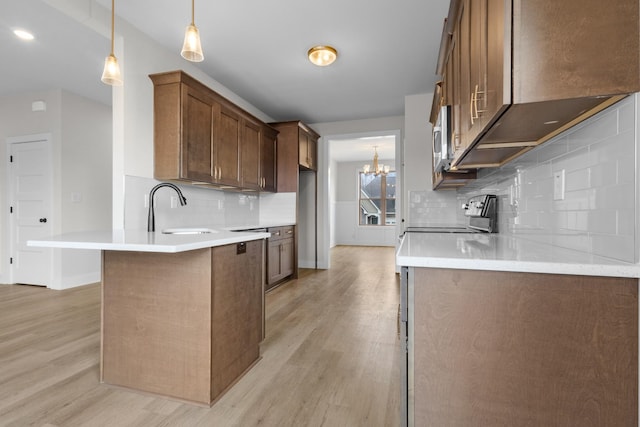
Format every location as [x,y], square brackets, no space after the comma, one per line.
[188,230]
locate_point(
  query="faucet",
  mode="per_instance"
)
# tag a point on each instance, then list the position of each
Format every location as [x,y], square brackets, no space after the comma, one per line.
[151,221]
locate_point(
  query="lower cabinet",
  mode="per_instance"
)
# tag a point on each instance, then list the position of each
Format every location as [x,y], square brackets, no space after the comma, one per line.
[280,255]
[514,349]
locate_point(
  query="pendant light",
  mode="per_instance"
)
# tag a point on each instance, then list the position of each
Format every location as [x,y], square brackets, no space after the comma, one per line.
[111,72]
[191,49]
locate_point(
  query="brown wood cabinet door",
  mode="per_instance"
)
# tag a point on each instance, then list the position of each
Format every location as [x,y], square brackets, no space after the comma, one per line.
[462,51]
[274,273]
[227,147]
[197,135]
[497,96]
[515,349]
[308,151]
[312,152]
[251,140]
[453,66]
[287,158]
[478,67]
[268,159]
[303,150]
[286,257]
[574,48]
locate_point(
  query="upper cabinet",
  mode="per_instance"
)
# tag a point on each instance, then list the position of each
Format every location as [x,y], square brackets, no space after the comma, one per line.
[297,149]
[203,138]
[518,72]
[308,148]
[268,160]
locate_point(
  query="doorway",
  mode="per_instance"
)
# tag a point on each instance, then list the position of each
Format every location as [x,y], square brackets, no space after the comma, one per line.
[30,191]
[358,213]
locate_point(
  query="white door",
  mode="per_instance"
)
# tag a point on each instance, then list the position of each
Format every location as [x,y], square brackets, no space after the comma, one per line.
[30,193]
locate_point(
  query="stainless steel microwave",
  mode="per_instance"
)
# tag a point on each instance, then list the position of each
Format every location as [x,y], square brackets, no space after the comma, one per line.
[442,153]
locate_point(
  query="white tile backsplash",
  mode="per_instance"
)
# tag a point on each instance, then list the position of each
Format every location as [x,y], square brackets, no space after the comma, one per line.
[598,214]
[277,208]
[205,206]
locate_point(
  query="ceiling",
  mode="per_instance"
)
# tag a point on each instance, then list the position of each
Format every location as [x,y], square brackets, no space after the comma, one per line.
[257,49]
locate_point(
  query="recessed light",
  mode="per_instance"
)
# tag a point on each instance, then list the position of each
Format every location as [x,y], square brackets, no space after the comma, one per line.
[24,35]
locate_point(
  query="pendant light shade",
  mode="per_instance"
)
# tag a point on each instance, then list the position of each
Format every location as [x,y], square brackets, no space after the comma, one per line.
[111,73]
[191,48]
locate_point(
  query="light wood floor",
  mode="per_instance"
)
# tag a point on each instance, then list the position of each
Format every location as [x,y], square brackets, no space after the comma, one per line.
[330,357]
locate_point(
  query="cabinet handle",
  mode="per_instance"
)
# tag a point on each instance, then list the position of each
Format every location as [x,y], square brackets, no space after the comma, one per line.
[474,106]
[471,108]
[398,322]
[289,231]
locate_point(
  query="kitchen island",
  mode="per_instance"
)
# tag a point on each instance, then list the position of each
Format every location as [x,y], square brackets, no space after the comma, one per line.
[182,314]
[506,331]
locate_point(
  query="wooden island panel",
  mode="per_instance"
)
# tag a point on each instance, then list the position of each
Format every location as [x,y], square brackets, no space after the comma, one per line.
[237,313]
[185,325]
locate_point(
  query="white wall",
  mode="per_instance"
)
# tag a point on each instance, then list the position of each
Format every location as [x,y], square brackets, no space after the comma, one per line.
[346,224]
[85,190]
[308,186]
[81,141]
[340,130]
[332,177]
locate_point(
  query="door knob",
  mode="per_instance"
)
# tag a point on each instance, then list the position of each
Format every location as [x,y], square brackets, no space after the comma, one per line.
[43,219]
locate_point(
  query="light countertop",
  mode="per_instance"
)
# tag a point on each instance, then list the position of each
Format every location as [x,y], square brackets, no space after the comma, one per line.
[502,253]
[143,241]
[260,225]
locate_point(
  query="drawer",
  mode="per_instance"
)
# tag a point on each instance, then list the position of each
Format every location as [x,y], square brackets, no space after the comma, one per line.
[278,233]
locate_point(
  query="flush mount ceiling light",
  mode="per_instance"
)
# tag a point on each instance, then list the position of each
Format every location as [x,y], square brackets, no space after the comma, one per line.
[111,72]
[322,55]
[378,168]
[24,35]
[191,48]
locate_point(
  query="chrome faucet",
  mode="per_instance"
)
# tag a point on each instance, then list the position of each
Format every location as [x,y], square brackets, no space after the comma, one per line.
[151,220]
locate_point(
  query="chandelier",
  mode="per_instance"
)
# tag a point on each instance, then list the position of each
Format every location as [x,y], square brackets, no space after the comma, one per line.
[378,168]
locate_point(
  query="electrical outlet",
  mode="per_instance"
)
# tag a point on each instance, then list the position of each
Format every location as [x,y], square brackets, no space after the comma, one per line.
[174,202]
[220,204]
[558,185]
[146,201]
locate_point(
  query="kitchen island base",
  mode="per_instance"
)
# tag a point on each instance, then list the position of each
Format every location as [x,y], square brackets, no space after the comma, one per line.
[184,325]
[514,348]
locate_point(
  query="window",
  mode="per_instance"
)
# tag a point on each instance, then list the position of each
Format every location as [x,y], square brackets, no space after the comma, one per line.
[377,198]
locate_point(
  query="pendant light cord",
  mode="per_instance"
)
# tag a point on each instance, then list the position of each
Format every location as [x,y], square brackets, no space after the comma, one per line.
[113,20]
[193,3]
